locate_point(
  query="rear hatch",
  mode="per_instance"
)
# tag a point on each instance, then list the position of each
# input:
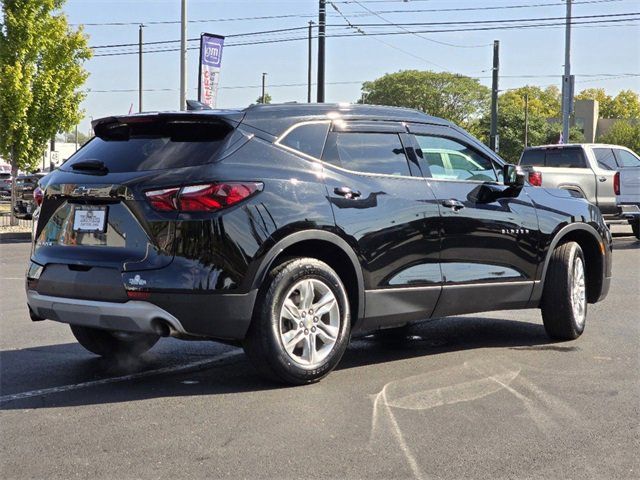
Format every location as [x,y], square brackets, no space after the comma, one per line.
[94,212]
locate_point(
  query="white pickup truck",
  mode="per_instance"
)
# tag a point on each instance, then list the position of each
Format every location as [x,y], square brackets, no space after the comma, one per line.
[606,175]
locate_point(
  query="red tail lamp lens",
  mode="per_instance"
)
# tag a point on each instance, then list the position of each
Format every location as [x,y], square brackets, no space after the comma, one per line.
[535,179]
[164,200]
[616,183]
[202,198]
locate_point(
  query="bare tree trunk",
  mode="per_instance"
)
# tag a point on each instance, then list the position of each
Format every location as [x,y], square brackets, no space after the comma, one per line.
[14,174]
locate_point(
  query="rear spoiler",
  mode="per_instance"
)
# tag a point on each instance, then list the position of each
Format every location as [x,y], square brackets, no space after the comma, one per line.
[173,124]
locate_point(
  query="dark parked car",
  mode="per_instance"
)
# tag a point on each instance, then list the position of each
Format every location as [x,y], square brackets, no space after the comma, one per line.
[289,228]
[25,202]
[5,184]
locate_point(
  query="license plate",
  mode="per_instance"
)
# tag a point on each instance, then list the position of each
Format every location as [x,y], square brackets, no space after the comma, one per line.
[90,219]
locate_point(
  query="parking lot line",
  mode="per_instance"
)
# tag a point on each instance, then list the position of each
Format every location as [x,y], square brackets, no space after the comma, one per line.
[123,378]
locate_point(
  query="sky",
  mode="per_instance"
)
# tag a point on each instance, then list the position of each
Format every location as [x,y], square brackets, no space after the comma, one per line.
[604,55]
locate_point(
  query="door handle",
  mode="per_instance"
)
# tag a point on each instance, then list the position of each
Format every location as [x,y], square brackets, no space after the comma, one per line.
[346,192]
[602,179]
[453,203]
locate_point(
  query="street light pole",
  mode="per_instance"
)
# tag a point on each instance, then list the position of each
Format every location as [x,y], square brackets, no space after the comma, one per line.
[140,67]
[264,76]
[493,137]
[567,86]
[309,68]
[526,120]
[322,17]
[183,56]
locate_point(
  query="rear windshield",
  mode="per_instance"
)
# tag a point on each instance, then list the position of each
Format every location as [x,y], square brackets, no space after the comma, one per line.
[154,149]
[557,157]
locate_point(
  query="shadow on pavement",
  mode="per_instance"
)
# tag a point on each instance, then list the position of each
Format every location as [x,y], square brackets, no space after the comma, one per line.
[67,364]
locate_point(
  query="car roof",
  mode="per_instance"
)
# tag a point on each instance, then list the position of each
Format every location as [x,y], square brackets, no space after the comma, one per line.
[275,119]
[574,145]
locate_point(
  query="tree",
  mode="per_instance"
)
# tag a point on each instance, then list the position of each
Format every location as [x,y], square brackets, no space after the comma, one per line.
[267,99]
[41,70]
[624,105]
[542,105]
[625,133]
[70,137]
[454,97]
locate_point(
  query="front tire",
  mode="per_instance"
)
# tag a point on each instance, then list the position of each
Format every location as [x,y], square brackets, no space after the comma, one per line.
[564,299]
[301,323]
[113,344]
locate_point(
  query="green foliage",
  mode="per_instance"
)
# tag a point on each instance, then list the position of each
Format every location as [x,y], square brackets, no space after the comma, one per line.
[625,133]
[41,70]
[542,105]
[624,105]
[454,97]
[267,99]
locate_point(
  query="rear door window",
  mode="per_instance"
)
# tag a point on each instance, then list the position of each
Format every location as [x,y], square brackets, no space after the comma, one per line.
[605,158]
[307,138]
[626,159]
[183,145]
[381,153]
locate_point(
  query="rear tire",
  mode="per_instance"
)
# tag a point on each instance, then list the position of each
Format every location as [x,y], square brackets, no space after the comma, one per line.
[564,299]
[293,344]
[113,344]
[635,226]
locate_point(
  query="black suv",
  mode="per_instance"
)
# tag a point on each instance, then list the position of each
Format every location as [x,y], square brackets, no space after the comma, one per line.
[288,228]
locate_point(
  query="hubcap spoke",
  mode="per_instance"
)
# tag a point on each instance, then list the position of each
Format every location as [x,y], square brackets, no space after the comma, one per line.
[327,333]
[309,348]
[578,291]
[290,311]
[291,339]
[325,304]
[306,294]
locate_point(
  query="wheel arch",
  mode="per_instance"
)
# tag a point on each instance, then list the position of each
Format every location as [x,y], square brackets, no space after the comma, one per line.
[593,249]
[327,247]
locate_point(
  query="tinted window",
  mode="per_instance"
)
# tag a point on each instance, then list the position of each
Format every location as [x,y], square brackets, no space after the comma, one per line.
[605,158]
[307,138]
[565,158]
[626,159]
[192,145]
[532,158]
[369,152]
[453,160]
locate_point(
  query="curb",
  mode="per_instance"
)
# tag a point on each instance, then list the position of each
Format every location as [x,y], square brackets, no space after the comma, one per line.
[15,237]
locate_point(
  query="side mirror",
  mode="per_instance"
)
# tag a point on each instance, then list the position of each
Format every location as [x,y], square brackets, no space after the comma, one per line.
[513,177]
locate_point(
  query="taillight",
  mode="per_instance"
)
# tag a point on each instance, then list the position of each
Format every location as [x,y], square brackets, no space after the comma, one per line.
[535,179]
[202,198]
[164,200]
[38,196]
[616,183]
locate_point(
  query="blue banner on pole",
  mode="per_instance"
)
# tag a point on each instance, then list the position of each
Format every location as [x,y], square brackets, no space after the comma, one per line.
[210,62]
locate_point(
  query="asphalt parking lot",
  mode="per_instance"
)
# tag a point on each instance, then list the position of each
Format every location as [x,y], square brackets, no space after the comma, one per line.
[482,396]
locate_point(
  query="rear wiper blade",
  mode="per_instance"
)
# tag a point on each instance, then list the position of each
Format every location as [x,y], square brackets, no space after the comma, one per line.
[90,166]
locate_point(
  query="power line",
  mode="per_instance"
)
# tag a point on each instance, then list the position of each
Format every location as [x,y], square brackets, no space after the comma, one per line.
[403,26]
[356,14]
[592,77]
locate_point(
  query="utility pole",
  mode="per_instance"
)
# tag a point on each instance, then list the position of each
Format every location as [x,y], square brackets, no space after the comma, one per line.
[76,137]
[567,81]
[264,76]
[493,138]
[183,57]
[309,68]
[526,120]
[140,67]
[322,18]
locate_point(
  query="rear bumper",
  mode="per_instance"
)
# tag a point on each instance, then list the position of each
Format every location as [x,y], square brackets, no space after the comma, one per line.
[217,316]
[629,211]
[132,316]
